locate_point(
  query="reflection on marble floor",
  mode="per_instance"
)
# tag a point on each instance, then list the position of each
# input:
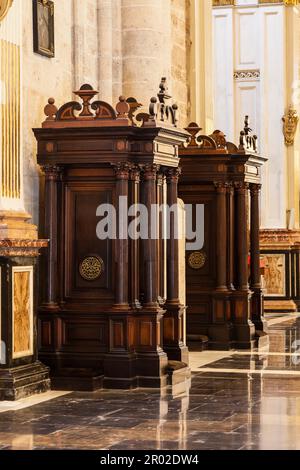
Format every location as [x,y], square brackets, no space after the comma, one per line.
[256,407]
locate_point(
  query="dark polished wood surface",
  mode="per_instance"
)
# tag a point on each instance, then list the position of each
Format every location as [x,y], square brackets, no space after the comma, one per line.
[224,296]
[114,330]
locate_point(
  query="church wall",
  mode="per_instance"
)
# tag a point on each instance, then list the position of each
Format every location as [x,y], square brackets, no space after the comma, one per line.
[42,78]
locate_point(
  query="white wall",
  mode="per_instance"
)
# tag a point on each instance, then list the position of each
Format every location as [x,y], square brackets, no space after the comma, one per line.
[251,48]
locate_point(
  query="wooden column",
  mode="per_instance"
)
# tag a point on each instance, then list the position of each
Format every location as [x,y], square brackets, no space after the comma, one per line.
[161,246]
[254,234]
[134,244]
[122,171]
[52,178]
[151,358]
[221,238]
[230,235]
[244,328]
[241,190]
[172,243]
[257,312]
[174,317]
[150,264]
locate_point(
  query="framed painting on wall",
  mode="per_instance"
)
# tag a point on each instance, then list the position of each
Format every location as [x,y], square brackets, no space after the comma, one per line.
[43,27]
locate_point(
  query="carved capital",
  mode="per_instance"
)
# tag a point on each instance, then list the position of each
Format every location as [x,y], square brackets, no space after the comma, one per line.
[122,170]
[255,189]
[221,187]
[135,173]
[241,187]
[173,175]
[52,172]
[150,171]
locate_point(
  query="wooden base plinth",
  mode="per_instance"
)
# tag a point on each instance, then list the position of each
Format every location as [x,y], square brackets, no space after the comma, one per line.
[120,371]
[77,381]
[173,330]
[221,336]
[245,336]
[23,381]
[179,377]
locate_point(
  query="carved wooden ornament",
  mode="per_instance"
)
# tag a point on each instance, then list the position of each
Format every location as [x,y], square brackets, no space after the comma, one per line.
[290,123]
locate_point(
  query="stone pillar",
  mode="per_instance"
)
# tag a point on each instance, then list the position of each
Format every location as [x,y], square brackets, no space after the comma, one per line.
[105,47]
[201,66]
[174,317]
[146,46]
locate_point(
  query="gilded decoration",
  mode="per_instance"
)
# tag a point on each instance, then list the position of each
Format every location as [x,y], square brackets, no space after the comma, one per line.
[22,312]
[290,123]
[4,7]
[91,268]
[221,3]
[274,276]
[197,260]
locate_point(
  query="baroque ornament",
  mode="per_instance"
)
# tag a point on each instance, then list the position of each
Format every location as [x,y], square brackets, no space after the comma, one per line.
[4,7]
[197,260]
[91,268]
[290,123]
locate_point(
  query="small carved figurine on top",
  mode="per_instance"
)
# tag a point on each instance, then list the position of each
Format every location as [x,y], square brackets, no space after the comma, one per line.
[159,110]
[248,142]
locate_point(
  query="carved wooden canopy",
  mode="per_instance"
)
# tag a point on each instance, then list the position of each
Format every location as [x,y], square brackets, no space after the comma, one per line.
[216,143]
[97,113]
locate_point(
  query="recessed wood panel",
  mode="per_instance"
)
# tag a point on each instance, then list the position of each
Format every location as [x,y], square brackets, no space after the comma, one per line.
[22,311]
[82,241]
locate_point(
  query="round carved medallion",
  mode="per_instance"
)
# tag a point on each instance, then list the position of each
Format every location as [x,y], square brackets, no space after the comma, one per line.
[4,7]
[197,260]
[91,268]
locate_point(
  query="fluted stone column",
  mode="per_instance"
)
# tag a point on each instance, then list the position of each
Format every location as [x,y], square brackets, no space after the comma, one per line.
[146,40]
[105,47]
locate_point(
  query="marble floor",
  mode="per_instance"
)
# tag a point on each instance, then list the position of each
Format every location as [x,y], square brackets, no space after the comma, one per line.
[237,400]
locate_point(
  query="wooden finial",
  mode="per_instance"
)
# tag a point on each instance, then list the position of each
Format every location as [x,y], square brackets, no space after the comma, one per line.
[86,93]
[163,91]
[122,108]
[50,110]
[194,130]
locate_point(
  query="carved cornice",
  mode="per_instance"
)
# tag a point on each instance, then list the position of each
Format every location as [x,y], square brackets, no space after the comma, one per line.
[21,248]
[223,3]
[279,237]
[246,75]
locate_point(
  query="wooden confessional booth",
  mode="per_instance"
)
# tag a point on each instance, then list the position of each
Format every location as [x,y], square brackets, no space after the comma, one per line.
[223,278]
[104,321]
